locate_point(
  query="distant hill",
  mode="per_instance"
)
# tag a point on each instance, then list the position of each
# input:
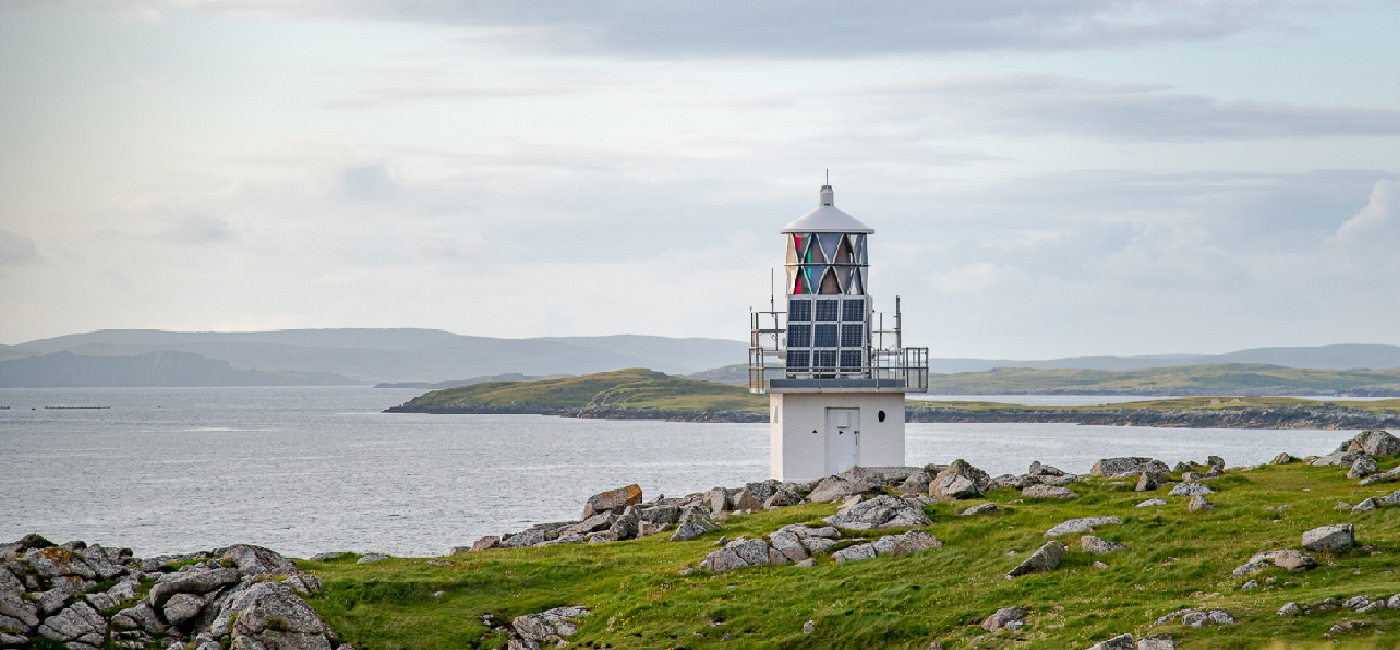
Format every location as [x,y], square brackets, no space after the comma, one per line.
[411,355]
[1201,379]
[735,375]
[1344,356]
[453,383]
[67,370]
[633,388]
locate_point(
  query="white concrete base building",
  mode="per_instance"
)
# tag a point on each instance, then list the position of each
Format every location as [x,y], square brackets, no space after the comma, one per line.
[836,389]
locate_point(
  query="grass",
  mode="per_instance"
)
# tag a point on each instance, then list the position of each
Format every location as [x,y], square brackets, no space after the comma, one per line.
[1176,560]
[632,388]
[1202,378]
[1225,403]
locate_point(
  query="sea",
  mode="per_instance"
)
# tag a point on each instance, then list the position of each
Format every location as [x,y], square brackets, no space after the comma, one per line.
[304,470]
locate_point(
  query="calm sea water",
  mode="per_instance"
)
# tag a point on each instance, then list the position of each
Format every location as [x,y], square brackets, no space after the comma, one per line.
[304,470]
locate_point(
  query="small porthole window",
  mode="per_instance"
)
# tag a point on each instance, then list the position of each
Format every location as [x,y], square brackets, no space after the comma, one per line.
[882,416]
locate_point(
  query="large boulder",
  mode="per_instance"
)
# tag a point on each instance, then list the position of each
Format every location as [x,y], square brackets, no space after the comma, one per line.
[189,582]
[1124,467]
[1335,538]
[960,480]
[1002,617]
[1046,558]
[79,620]
[255,560]
[855,553]
[549,626]
[1362,467]
[694,522]
[742,553]
[841,486]
[910,542]
[54,561]
[1374,443]
[1042,491]
[1099,546]
[1120,642]
[614,501]
[882,512]
[13,605]
[1082,525]
[916,483]
[18,548]
[275,618]
[182,608]
[1190,490]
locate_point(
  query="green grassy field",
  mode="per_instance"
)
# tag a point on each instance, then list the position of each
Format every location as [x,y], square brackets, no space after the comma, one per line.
[1204,378]
[1174,404]
[631,388]
[1176,559]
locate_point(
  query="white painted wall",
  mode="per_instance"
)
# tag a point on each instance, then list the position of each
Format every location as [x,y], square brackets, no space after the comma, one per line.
[796,453]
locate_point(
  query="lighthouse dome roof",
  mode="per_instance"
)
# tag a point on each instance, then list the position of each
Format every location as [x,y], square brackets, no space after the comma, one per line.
[826,218]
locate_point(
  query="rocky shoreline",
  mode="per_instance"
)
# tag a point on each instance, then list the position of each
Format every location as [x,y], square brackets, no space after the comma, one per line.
[1282,417]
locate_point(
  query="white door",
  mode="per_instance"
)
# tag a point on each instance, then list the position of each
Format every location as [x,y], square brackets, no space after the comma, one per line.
[842,439]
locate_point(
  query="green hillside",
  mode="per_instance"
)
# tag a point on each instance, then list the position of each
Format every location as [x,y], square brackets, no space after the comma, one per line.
[1204,379]
[632,388]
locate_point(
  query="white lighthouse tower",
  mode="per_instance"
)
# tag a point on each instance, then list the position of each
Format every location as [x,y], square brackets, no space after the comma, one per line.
[836,371]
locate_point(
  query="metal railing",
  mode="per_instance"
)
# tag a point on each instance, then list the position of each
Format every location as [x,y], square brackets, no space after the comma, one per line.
[887,367]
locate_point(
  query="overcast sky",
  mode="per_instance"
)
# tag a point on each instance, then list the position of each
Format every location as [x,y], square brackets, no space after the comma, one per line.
[1046,179]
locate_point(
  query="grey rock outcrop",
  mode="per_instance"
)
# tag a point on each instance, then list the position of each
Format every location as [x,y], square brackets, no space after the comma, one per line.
[694,522]
[189,582]
[1125,467]
[1190,490]
[960,480]
[1046,558]
[855,553]
[880,513]
[1282,459]
[614,501]
[742,553]
[1099,546]
[1334,538]
[1362,467]
[531,631]
[1373,443]
[1120,642]
[1082,525]
[1199,503]
[981,509]
[1151,502]
[1003,616]
[256,560]
[78,620]
[1043,491]
[910,542]
[1290,609]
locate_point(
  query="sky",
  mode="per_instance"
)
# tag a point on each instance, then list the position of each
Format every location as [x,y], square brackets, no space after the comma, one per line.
[1045,178]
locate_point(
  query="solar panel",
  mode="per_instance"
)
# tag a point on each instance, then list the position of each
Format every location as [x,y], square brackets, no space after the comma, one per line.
[826,309]
[824,358]
[798,358]
[852,336]
[853,310]
[799,309]
[850,358]
[826,336]
[799,336]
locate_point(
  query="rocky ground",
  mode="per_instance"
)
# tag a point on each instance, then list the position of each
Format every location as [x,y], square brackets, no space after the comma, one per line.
[1136,554]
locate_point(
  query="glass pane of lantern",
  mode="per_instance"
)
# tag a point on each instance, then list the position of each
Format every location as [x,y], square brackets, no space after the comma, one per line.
[813,252]
[844,254]
[858,245]
[829,242]
[794,249]
[843,276]
[829,284]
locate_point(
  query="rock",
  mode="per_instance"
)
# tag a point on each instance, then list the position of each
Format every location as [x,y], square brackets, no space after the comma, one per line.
[1290,609]
[959,481]
[1335,538]
[694,522]
[738,554]
[53,561]
[271,615]
[1120,642]
[1151,502]
[983,509]
[1190,490]
[853,553]
[1046,558]
[1199,503]
[18,548]
[1156,644]
[1374,443]
[1220,617]
[1356,601]
[807,563]
[489,541]
[1083,525]
[189,582]
[916,483]
[1192,476]
[548,626]
[787,542]
[1121,467]
[881,513]
[1362,467]
[843,485]
[256,560]
[1282,459]
[745,500]
[1098,546]
[627,526]
[1382,477]
[1002,617]
[12,640]
[1042,491]
[1372,607]
[1337,458]
[1368,504]
[333,555]
[1249,568]
[910,542]
[1252,584]
[141,616]
[782,498]
[1037,469]
[614,501]
[182,608]
[77,620]
[1294,560]
[1148,482]
[1215,461]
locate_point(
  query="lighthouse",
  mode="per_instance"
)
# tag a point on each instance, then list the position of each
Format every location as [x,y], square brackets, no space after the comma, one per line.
[835,370]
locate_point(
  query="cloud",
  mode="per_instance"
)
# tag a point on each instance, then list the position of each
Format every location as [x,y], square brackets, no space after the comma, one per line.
[1036,105]
[792,28]
[17,249]
[198,229]
[1373,234]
